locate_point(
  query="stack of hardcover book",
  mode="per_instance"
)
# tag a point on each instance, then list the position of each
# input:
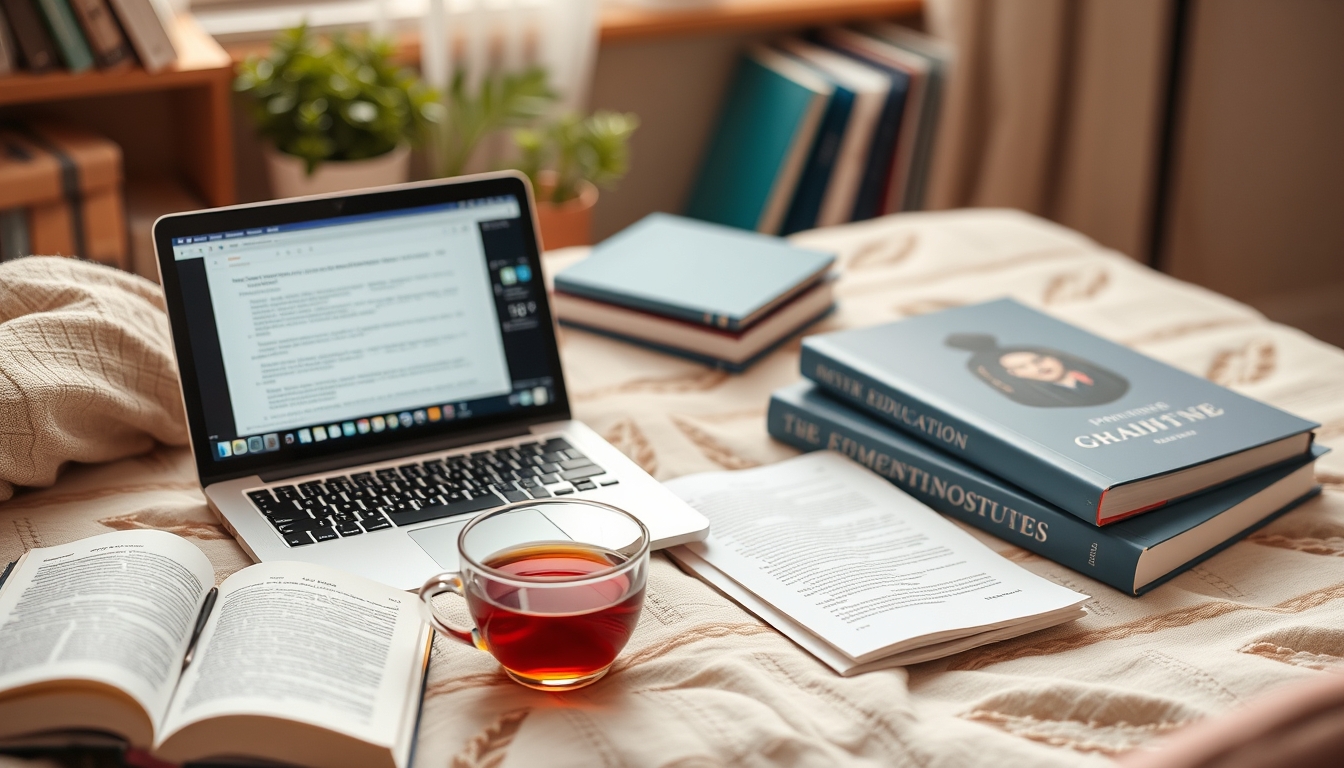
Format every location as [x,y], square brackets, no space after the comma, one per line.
[837,126]
[1078,449]
[710,293]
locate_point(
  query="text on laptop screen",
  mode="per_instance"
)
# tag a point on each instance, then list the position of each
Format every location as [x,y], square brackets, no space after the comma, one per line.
[348,326]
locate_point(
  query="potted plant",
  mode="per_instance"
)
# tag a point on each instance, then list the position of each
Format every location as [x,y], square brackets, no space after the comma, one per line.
[567,160]
[338,113]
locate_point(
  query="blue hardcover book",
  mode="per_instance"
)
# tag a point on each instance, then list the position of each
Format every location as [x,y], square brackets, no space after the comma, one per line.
[938,57]
[765,131]
[816,177]
[1093,427]
[873,184]
[1133,556]
[705,273]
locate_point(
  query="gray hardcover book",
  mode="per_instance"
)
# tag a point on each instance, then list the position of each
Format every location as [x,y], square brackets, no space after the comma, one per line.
[1093,427]
[8,55]
[146,32]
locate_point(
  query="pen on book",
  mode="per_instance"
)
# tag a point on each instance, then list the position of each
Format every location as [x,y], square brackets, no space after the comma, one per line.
[206,608]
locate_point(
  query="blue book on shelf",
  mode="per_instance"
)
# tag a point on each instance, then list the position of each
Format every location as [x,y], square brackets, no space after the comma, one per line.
[765,131]
[1133,555]
[939,57]
[811,191]
[1093,427]
[696,271]
[873,184]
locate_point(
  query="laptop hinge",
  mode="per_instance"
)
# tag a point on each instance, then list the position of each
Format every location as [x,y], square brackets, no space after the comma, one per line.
[347,461]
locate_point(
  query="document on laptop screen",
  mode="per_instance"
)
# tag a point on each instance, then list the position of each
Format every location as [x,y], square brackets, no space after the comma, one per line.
[337,321]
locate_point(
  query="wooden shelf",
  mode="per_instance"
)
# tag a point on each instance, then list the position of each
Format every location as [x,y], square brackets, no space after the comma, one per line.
[200,61]
[622,23]
[196,92]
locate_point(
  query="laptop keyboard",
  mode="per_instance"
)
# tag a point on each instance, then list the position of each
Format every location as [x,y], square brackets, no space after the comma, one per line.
[361,502]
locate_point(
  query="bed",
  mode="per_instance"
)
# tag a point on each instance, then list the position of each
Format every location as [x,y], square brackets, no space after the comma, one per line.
[704,683]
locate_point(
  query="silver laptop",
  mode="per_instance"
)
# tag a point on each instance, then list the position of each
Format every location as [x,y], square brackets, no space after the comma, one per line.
[364,372]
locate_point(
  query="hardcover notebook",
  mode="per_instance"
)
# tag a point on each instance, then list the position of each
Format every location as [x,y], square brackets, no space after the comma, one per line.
[1093,427]
[765,132]
[692,270]
[1132,555]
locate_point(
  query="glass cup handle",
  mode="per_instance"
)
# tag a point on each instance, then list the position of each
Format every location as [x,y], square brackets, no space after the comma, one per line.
[437,585]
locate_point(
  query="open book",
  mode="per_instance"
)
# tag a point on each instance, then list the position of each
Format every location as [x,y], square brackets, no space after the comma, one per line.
[854,570]
[295,663]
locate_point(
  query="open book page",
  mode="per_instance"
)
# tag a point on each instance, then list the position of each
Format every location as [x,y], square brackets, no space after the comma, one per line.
[309,644]
[117,609]
[827,653]
[857,561]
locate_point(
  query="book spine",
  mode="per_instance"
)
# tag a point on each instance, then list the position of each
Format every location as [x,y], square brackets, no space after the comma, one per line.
[8,54]
[34,42]
[147,33]
[816,177]
[944,430]
[65,30]
[105,39]
[972,497]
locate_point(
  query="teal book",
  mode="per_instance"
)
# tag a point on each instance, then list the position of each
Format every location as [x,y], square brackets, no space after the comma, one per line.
[1092,427]
[821,159]
[65,31]
[692,270]
[766,128]
[1133,556]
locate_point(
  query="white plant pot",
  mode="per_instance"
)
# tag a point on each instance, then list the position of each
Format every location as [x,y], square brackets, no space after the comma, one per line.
[289,179]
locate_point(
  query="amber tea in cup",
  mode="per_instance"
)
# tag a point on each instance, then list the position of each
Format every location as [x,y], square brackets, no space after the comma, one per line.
[554,587]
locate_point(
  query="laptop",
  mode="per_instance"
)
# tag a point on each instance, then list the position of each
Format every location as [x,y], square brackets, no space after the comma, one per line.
[364,372]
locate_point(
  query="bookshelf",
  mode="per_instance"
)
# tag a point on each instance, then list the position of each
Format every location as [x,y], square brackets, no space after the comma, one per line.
[195,147]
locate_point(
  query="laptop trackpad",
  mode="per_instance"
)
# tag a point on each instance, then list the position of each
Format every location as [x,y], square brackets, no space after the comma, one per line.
[440,541]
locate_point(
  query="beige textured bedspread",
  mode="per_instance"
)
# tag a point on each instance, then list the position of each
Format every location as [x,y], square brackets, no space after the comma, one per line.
[704,683]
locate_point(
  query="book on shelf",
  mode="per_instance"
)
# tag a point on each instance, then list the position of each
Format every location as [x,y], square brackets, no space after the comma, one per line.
[295,663]
[938,60]
[1133,555]
[147,32]
[889,164]
[855,570]
[877,166]
[829,199]
[37,49]
[1093,427]
[60,21]
[9,54]
[105,39]
[821,157]
[766,128]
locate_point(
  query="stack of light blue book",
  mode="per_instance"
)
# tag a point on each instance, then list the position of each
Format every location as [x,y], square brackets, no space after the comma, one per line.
[714,294]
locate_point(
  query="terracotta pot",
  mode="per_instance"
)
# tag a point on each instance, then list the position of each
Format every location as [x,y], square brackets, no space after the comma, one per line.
[568,223]
[288,178]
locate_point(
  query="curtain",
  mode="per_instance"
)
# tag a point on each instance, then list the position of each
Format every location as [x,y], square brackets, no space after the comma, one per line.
[1055,107]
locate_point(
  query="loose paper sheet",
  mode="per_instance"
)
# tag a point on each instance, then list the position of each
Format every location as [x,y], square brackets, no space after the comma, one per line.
[859,563]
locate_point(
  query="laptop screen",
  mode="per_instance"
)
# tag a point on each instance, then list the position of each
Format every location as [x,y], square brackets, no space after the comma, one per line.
[319,335]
